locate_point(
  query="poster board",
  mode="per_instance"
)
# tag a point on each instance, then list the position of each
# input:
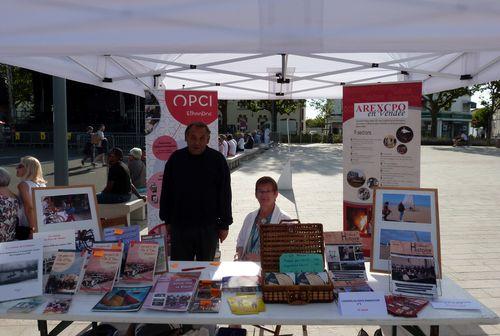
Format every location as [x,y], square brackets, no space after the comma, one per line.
[168,113]
[381,137]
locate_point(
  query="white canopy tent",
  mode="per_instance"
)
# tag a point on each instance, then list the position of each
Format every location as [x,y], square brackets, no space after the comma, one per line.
[250,49]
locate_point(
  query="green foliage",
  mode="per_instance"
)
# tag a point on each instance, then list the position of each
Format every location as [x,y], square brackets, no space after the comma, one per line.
[490,104]
[21,86]
[283,107]
[480,117]
[435,102]
[316,122]
[325,106]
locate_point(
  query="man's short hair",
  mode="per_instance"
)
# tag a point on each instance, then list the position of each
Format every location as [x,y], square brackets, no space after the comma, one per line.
[266,180]
[197,124]
[117,152]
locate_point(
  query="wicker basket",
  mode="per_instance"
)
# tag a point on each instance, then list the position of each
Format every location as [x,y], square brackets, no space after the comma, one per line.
[291,236]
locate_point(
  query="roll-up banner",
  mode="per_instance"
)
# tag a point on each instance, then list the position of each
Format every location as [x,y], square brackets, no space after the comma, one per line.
[168,113]
[381,137]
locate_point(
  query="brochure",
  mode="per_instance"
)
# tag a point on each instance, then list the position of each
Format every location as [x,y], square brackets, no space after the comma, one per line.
[161,261]
[344,255]
[141,261]
[413,269]
[246,304]
[52,242]
[66,272]
[26,306]
[123,299]
[20,269]
[101,270]
[172,291]
[207,297]
[58,305]
[125,235]
[404,306]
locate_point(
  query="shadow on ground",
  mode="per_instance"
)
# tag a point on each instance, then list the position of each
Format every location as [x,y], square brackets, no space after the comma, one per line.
[476,150]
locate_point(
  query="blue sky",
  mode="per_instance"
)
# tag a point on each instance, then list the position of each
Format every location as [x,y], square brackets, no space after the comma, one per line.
[386,235]
[419,200]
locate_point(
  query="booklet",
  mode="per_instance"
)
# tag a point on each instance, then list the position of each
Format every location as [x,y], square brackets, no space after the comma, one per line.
[241,284]
[246,304]
[404,306]
[101,270]
[344,255]
[172,291]
[66,272]
[207,297]
[413,269]
[161,261]
[141,261]
[123,299]
[57,306]
[26,306]
[52,242]
[125,235]
[21,269]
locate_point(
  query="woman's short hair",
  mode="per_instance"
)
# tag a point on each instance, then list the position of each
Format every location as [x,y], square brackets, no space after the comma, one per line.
[266,180]
[4,177]
[33,169]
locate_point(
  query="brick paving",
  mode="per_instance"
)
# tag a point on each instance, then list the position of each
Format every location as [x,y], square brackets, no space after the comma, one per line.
[468,182]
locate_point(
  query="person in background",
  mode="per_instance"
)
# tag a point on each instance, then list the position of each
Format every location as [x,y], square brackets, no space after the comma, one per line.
[248,243]
[88,150]
[101,145]
[401,209]
[248,141]
[225,145]
[221,146]
[231,143]
[29,170]
[137,169]
[241,143]
[9,208]
[119,186]
[197,207]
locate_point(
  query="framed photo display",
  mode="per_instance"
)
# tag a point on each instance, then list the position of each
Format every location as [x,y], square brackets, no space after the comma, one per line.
[71,207]
[404,214]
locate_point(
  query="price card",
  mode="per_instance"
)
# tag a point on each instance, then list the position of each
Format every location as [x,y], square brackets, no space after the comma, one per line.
[362,304]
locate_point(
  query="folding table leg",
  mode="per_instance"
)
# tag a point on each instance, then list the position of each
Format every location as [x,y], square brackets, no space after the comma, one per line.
[42,327]
[434,330]
[304,330]
[394,331]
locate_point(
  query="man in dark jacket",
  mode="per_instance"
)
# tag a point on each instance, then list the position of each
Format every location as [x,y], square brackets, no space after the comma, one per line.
[195,201]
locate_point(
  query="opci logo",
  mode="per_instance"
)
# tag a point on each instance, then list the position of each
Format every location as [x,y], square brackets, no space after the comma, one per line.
[384,110]
[190,106]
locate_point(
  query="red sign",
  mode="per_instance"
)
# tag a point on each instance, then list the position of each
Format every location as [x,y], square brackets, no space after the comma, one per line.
[189,106]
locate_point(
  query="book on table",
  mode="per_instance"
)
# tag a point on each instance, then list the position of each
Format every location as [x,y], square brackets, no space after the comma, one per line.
[123,299]
[173,291]
[101,270]
[207,297]
[141,262]
[66,273]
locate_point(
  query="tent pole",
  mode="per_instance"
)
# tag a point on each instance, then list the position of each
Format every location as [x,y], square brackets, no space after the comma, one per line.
[60,131]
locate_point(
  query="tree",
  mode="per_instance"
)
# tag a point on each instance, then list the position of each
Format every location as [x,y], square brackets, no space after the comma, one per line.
[283,107]
[435,102]
[19,84]
[480,118]
[316,122]
[491,105]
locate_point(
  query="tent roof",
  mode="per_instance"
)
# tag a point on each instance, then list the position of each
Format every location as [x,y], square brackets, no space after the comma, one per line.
[235,46]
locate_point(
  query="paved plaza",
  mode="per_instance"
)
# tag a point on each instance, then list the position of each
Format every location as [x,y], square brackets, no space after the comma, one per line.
[468,182]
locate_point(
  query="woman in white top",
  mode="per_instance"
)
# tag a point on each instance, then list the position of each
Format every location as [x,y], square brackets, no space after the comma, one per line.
[29,170]
[248,243]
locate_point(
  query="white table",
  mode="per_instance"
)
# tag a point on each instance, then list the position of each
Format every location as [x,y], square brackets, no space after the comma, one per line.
[275,314]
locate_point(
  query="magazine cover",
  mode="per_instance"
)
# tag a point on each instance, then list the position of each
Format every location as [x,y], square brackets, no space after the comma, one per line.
[344,255]
[66,272]
[26,306]
[123,299]
[173,291]
[207,297]
[413,269]
[246,304]
[20,269]
[52,242]
[101,271]
[141,261]
[404,305]
[161,261]
[57,306]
